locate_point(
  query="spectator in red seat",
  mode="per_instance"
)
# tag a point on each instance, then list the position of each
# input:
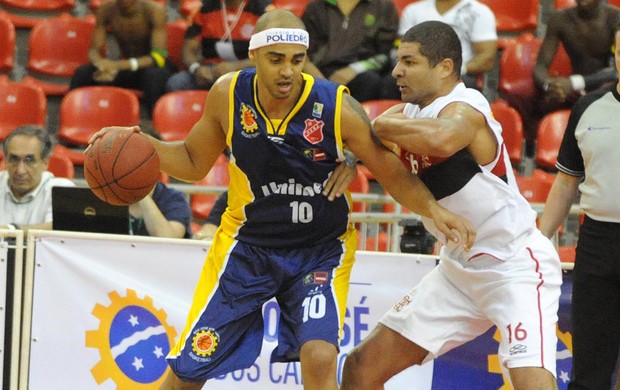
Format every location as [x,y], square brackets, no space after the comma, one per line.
[139,27]
[587,33]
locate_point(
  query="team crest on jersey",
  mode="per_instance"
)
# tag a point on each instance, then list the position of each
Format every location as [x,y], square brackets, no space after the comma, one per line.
[406,300]
[248,121]
[313,132]
[204,343]
[315,154]
[317,110]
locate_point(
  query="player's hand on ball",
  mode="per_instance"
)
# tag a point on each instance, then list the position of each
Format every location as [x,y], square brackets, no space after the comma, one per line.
[121,166]
[103,131]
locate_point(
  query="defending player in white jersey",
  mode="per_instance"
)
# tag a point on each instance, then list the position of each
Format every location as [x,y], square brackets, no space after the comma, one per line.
[511,276]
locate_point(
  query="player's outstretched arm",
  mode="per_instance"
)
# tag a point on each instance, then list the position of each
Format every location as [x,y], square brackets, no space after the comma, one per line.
[405,187]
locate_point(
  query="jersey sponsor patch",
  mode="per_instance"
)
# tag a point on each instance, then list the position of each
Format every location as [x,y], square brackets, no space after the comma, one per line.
[316,278]
[315,154]
[317,110]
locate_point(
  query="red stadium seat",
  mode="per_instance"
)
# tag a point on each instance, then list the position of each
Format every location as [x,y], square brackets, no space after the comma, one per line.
[559,4]
[402,4]
[20,104]
[376,107]
[512,129]
[517,61]
[61,165]
[202,204]
[296,6]
[361,186]
[95,4]
[513,16]
[381,243]
[7,43]
[176,33]
[373,109]
[57,46]
[27,13]
[175,113]
[84,111]
[549,137]
[533,189]
[567,253]
[189,8]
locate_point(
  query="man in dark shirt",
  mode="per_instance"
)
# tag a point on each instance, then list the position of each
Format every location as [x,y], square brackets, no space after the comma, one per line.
[350,42]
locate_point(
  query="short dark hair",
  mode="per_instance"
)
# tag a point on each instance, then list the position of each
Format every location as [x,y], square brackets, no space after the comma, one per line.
[278,18]
[438,41]
[37,131]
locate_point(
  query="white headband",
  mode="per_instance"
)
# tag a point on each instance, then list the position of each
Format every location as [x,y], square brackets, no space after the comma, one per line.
[273,36]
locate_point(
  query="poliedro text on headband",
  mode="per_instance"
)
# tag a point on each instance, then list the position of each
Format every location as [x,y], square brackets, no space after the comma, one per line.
[274,36]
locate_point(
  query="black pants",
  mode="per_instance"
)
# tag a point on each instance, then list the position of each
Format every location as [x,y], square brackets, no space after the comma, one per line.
[365,86]
[595,306]
[151,81]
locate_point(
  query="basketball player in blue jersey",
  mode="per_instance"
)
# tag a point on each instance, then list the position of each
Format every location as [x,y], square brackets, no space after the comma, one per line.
[285,234]
[510,278]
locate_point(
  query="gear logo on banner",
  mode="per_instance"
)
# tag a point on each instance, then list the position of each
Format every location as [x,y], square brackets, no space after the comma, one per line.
[133,340]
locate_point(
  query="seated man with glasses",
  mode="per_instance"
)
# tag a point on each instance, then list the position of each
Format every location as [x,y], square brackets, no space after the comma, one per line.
[26,185]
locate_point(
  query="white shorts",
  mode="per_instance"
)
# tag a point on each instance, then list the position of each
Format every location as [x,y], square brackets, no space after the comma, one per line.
[457,302]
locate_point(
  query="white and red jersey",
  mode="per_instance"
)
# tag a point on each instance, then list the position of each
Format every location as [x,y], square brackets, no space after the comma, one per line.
[486,195]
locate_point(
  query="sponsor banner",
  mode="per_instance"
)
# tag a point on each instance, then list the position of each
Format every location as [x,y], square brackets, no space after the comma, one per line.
[106,312]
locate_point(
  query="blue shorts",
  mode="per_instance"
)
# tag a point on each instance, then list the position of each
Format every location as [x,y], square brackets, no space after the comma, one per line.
[224,330]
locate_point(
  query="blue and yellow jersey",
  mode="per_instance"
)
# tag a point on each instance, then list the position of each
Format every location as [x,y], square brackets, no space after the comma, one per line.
[278,167]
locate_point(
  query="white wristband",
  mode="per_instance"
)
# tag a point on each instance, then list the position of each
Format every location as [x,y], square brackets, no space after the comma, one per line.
[577,82]
[10,226]
[358,67]
[133,64]
[194,67]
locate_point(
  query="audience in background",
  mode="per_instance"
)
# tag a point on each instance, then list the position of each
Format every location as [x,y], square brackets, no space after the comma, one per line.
[139,28]
[587,33]
[26,185]
[474,24]
[350,42]
[217,42]
[165,212]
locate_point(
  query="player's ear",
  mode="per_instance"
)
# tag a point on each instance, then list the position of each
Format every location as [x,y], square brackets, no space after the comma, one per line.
[446,66]
[252,54]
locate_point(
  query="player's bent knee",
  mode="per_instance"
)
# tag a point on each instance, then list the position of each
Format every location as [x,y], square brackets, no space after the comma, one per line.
[173,382]
[357,372]
[319,355]
[532,378]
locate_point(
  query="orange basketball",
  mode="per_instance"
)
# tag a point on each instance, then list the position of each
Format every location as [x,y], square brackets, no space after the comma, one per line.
[121,167]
